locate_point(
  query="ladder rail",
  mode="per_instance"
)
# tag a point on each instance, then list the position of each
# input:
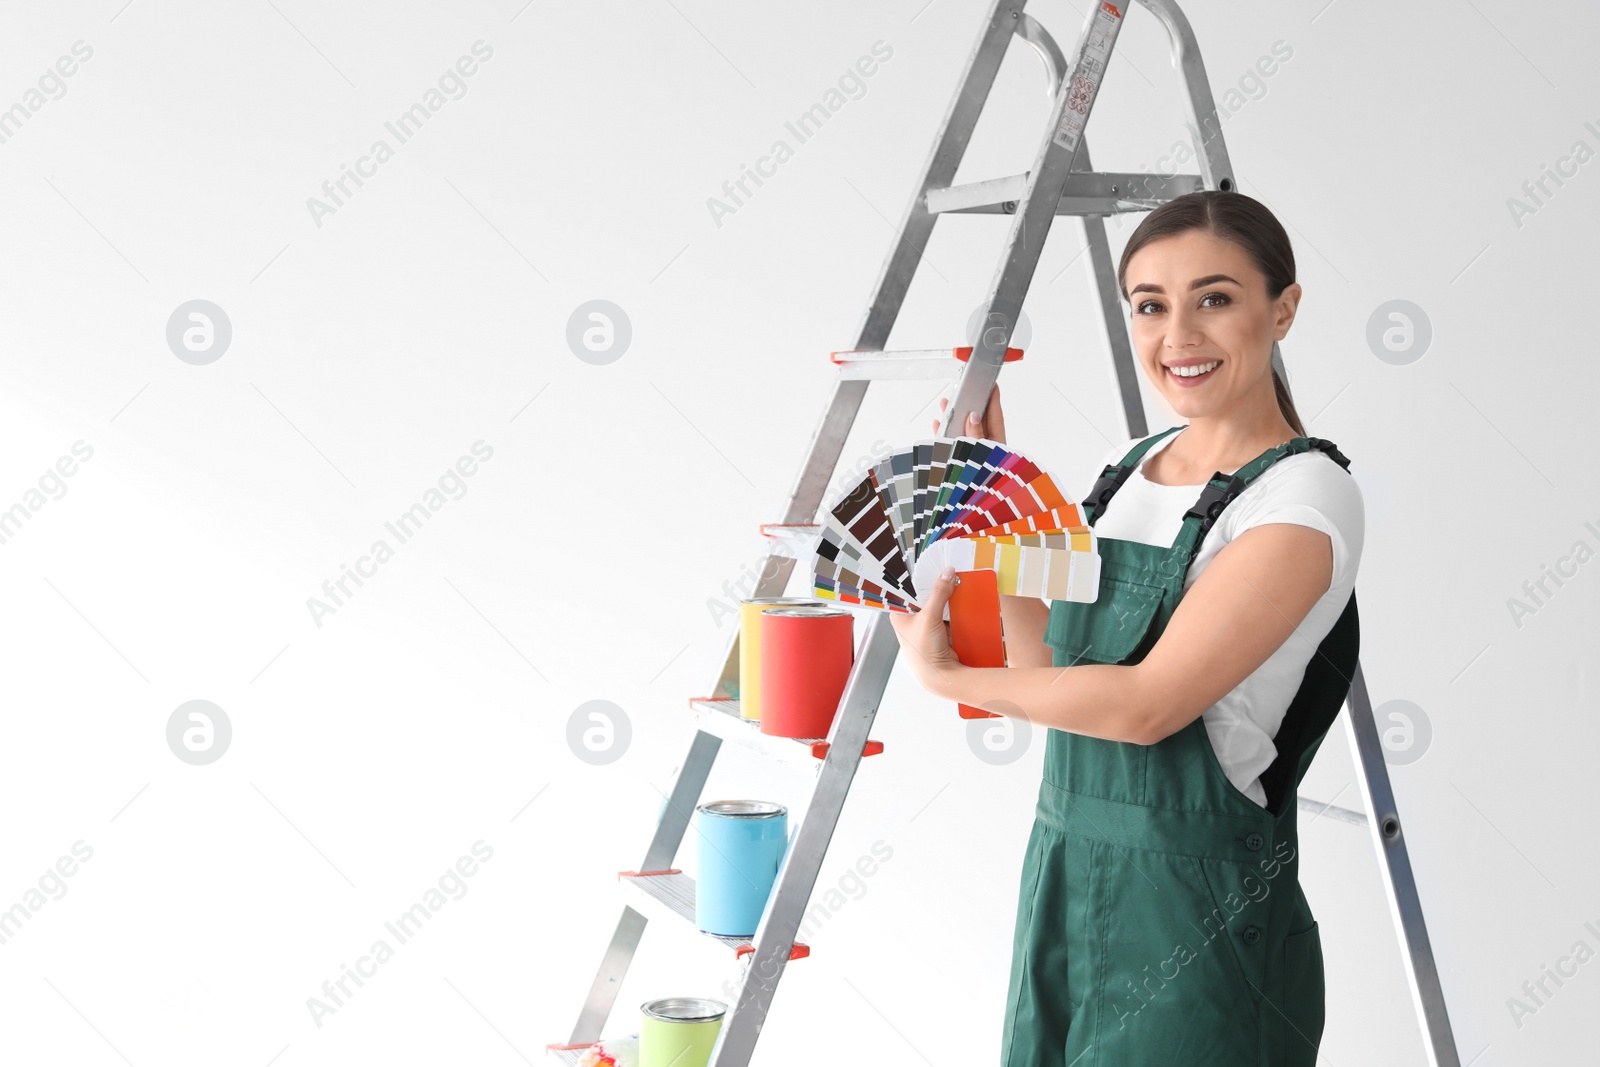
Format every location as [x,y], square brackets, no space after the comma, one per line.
[614,963]
[1405,905]
[1055,61]
[1124,369]
[949,146]
[1030,225]
[1215,169]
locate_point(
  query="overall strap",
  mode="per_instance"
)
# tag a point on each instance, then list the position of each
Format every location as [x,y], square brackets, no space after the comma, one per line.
[1223,488]
[1111,479]
[1312,710]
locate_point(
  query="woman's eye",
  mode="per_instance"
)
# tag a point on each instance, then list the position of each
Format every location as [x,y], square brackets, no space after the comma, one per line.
[1142,305]
[1220,296]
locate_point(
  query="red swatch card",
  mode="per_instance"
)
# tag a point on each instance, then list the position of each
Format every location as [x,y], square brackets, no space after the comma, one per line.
[975,633]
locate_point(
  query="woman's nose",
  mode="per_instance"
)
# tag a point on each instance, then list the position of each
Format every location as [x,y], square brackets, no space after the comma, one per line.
[1182,331]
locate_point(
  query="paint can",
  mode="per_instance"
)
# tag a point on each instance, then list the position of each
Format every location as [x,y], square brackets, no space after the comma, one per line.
[806,656]
[679,1031]
[740,846]
[750,612]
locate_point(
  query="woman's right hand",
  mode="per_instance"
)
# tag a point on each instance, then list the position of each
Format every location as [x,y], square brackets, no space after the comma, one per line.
[991,426]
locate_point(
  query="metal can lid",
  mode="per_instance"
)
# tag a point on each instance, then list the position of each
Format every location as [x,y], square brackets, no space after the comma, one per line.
[807,613]
[684,1009]
[780,600]
[747,809]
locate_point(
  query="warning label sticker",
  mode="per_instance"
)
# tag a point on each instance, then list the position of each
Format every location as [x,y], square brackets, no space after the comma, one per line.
[1087,76]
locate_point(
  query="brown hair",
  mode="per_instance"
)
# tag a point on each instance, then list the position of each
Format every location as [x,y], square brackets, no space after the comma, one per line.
[1232,216]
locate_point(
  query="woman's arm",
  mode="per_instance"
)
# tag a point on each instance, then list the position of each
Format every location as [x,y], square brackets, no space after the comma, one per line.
[1245,604]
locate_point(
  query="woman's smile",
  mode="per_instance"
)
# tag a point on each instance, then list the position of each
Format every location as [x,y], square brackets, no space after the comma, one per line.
[1191,373]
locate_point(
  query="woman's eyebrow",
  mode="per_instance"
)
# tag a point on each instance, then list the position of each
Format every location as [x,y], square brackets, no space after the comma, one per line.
[1209,279]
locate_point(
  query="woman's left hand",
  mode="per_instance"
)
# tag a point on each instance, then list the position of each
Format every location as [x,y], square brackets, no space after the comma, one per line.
[925,637]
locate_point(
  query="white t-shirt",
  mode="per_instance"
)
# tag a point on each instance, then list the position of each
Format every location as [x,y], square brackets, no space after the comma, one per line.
[1309,489]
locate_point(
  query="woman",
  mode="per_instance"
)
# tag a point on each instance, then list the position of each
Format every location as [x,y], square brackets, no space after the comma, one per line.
[1160,917]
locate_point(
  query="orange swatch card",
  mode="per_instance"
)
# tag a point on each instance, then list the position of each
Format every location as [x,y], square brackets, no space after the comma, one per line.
[975,632]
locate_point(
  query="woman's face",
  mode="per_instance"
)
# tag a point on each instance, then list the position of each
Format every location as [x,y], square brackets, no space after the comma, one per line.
[1198,301]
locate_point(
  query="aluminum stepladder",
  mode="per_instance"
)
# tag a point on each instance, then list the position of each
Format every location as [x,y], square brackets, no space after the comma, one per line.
[1060,182]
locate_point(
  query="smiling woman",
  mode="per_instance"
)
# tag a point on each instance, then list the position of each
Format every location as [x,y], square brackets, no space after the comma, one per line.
[1184,704]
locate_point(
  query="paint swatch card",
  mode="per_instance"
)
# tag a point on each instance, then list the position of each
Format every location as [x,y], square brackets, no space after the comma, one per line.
[857,532]
[976,630]
[964,502]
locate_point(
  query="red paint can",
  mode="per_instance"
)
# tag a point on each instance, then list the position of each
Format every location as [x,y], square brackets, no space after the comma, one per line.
[806,656]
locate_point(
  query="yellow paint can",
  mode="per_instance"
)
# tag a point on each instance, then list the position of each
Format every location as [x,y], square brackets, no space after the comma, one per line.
[750,647]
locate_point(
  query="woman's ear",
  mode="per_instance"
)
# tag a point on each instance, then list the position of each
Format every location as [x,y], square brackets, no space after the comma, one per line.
[1288,303]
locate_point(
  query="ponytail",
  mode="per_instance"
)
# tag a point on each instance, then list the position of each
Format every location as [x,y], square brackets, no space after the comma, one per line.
[1286,404]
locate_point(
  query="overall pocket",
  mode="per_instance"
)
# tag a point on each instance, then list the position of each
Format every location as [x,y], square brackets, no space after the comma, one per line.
[1304,996]
[1111,630]
[1170,987]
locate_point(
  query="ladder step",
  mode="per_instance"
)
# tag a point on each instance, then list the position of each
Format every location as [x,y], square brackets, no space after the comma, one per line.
[672,892]
[568,1054]
[917,363]
[1087,193]
[792,540]
[1317,807]
[720,717]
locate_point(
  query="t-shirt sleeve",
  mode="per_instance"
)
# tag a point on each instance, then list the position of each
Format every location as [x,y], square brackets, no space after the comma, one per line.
[1316,492]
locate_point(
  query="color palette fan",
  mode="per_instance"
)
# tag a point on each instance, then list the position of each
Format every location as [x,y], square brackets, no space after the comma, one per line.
[966,502]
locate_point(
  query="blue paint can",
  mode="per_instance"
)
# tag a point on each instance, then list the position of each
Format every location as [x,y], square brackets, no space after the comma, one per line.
[740,848]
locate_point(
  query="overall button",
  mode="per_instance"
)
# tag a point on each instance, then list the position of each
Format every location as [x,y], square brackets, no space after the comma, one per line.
[1251,934]
[1254,842]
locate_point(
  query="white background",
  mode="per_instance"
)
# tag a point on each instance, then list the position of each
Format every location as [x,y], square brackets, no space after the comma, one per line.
[621,503]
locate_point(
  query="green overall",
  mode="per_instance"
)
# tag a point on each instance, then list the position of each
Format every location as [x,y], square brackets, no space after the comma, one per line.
[1160,916]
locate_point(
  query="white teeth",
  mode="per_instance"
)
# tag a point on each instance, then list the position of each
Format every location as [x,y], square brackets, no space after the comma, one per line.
[1196,370]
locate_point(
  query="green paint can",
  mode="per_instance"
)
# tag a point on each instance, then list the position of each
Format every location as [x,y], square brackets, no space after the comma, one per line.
[679,1031]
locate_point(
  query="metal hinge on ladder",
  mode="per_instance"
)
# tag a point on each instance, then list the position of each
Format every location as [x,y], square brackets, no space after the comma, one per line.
[1060,182]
